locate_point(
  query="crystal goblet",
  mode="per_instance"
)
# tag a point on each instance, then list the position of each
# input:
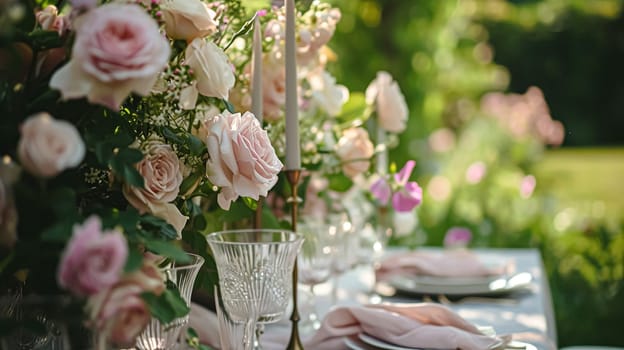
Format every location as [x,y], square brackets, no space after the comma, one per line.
[158,336]
[314,264]
[255,274]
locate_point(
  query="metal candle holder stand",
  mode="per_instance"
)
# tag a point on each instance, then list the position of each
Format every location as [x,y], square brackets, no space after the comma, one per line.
[293,177]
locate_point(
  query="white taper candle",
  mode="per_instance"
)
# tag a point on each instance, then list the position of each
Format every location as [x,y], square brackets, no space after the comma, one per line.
[293,152]
[256,78]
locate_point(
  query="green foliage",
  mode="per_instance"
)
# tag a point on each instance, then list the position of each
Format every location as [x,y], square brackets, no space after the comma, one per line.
[168,306]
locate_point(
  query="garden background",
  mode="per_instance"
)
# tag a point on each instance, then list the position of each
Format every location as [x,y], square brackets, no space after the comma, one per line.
[446,55]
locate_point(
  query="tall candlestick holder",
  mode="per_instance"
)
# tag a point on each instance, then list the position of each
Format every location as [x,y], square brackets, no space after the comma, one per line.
[293,176]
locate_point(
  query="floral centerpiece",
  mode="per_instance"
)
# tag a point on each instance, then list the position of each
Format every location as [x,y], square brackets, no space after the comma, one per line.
[126,136]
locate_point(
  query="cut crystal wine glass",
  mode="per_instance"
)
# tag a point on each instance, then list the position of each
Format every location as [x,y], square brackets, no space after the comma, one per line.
[255,274]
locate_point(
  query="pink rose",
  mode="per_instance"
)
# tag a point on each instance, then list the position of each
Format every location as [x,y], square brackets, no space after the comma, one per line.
[49,146]
[273,88]
[188,19]
[389,101]
[242,160]
[149,277]
[354,149]
[118,50]
[316,34]
[162,171]
[211,68]
[120,314]
[93,259]
[49,19]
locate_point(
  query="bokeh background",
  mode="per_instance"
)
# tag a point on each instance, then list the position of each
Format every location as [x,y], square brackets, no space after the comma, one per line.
[516,125]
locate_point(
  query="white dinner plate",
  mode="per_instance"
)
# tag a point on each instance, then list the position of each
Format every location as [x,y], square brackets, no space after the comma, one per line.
[490,286]
[366,342]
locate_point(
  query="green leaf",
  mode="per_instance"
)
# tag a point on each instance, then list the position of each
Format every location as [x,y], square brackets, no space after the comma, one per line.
[339,182]
[65,201]
[196,146]
[167,249]
[190,181]
[103,151]
[172,136]
[46,99]
[238,211]
[132,176]
[163,229]
[134,261]
[229,106]
[250,203]
[61,232]
[129,155]
[268,219]
[44,39]
[158,308]
[168,306]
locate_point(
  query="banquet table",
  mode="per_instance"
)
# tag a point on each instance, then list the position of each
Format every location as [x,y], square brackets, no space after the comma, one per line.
[527,314]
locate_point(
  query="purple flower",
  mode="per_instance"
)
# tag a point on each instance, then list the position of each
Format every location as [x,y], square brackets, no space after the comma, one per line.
[457,237]
[381,190]
[409,194]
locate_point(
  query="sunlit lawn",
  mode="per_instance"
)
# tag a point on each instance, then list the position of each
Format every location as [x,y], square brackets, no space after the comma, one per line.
[586,175]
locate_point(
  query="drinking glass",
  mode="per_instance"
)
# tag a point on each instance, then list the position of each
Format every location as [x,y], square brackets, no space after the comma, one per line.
[340,230]
[158,336]
[255,274]
[314,264]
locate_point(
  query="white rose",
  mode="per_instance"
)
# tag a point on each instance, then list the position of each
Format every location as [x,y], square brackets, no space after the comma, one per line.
[187,19]
[211,68]
[354,149]
[161,170]
[242,160]
[49,146]
[326,94]
[390,102]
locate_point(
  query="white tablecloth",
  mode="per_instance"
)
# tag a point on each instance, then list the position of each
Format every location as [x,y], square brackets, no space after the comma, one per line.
[528,315]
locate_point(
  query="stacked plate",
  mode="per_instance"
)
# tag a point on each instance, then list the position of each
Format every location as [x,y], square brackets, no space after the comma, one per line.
[365,342]
[464,286]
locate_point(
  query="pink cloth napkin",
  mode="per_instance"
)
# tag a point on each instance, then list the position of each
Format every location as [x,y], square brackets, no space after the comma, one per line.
[450,263]
[413,325]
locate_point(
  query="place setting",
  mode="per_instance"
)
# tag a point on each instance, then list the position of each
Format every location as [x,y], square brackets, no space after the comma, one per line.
[450,274]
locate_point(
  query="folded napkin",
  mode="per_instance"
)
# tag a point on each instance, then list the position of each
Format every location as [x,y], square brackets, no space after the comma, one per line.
[423,325]
[450,263]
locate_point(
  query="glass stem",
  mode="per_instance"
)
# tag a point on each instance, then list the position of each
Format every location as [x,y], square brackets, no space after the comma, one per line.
[248,336]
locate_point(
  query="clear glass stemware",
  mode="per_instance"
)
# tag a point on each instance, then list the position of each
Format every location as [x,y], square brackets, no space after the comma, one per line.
[314,264]
[255,274]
